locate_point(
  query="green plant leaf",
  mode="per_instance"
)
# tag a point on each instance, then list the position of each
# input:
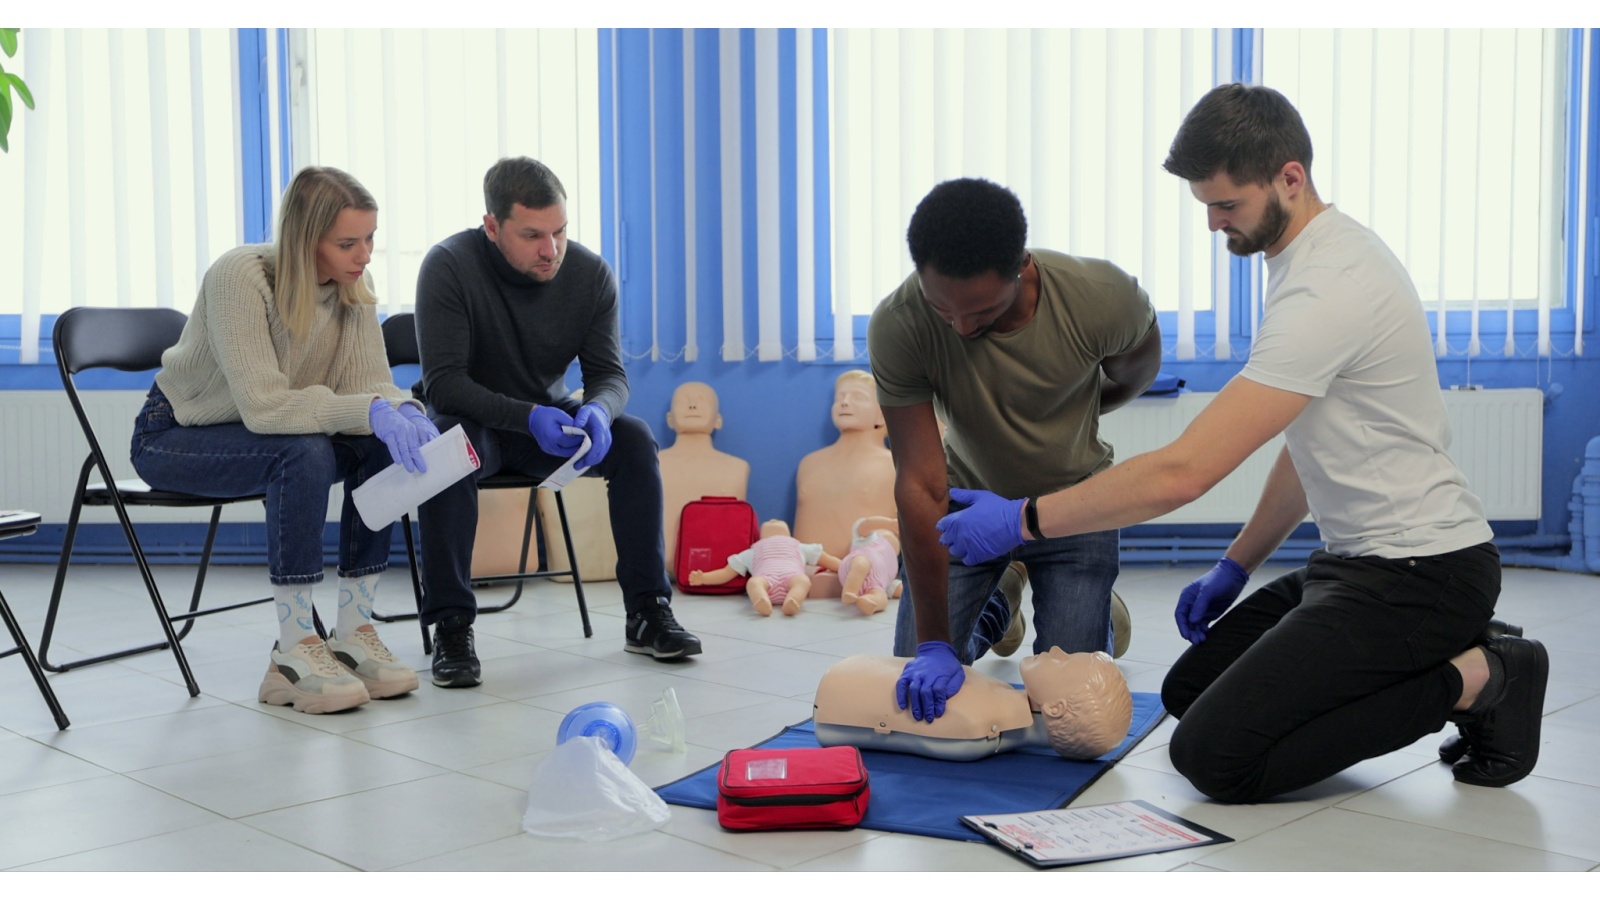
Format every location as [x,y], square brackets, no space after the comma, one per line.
[5,118]
[8,40]
[22,90]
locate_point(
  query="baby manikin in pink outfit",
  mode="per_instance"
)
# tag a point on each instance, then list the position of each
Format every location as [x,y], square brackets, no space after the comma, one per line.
[868,571]
[776,565]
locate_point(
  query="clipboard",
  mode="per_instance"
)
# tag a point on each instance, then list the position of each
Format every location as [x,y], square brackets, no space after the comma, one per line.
[1082,834]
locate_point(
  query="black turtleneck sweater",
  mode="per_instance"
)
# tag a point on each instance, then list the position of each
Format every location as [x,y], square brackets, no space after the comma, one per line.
[494,342]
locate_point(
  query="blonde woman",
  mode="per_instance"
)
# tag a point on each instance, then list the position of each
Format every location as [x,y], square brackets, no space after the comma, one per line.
[280,385]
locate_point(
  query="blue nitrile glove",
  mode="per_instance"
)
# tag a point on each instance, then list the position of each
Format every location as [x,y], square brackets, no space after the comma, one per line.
[397,434]
[596,423]
[1208,597]
[990,526]
[929,680]
[426,430]
[545,424]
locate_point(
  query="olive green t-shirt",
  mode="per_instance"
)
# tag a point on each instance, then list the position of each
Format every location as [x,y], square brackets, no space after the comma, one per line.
[1021,409]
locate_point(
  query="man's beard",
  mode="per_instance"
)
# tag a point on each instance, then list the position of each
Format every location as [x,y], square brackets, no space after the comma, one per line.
[1274,221]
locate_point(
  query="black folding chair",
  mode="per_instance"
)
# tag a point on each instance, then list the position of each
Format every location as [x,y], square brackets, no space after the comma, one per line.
[131,340]
[400,342]
[14,524]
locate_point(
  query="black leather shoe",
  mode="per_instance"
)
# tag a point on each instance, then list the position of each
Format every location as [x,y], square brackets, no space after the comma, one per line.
[455,665]
[655,632]
[1504,738]
[1456,746]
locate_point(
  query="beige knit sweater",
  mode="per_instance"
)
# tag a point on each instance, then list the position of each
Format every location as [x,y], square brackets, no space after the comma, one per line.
[236,361]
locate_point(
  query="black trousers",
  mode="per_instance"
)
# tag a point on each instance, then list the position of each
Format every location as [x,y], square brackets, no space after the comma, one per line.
[1340,661]
[449,520]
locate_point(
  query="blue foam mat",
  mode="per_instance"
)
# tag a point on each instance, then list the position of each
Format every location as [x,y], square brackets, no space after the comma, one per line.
[917,795]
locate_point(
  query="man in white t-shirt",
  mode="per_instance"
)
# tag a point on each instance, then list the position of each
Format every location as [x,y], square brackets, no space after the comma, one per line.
[1386,633]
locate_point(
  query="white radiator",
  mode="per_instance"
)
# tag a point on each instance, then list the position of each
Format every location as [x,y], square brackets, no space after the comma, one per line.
[1498,442]
[42,448]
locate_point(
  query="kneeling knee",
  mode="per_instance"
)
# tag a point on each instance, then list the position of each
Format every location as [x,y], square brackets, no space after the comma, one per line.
[1196,761]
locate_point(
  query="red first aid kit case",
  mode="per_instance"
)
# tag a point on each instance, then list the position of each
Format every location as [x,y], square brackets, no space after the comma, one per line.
[710,530]
[802,787]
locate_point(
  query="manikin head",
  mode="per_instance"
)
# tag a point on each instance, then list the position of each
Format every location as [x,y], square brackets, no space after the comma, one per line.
[774,528]
[1247,156]
[1083,698]
[527,216]
[855,402]
[694,409]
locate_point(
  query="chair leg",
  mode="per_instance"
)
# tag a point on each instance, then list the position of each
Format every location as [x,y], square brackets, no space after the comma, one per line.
[416,590]
[173,641]
[62,722]
[572,561]
[522,561]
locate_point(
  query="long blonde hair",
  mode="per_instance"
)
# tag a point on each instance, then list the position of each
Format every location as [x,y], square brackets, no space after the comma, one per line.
[311,205]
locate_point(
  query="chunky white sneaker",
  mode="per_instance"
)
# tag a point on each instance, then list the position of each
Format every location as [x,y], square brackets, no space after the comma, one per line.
[311,680]
[365,656]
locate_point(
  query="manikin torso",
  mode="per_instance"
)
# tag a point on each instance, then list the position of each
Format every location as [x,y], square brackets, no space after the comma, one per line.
[692,468]
[845,481]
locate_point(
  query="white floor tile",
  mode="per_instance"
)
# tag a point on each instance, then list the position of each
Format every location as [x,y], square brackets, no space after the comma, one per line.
[219,847]
[27,764]
[58,821]
[283,775]
[403,823]
[1337,840]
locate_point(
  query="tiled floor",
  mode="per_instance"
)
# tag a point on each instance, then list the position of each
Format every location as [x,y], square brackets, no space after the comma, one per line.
[149,779]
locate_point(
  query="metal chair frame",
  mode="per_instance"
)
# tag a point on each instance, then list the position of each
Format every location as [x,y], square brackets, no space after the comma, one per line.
[130,340]
[23,527]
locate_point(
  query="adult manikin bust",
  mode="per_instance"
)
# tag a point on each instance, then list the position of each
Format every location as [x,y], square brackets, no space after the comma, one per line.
[848,480]
[1075,703]
[691,468]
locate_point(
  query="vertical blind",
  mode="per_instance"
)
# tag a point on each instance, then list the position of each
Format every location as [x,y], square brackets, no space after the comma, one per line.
[134,129]
[451,102]
[1075,122]
[1452,145]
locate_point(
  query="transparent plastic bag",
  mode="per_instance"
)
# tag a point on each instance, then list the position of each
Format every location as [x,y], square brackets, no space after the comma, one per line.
[584,792]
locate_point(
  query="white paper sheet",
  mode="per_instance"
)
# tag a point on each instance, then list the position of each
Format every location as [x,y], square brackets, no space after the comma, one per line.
[569,469]
[394,492]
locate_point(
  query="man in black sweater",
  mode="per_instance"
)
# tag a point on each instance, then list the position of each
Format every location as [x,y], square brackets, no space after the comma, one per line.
[502,311]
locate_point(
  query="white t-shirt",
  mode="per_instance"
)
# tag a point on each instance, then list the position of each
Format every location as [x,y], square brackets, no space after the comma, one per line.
[1344,325]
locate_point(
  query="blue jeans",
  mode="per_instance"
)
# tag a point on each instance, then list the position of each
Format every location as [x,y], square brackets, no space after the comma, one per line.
[1340,661]
[295,471]
[1071,578]
[449,521]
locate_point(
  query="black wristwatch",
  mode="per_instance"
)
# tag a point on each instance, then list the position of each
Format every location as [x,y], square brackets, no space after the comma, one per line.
[1030,517]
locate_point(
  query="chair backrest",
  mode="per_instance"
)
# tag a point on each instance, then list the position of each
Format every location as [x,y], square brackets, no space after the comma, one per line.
[400,340]
[132,340]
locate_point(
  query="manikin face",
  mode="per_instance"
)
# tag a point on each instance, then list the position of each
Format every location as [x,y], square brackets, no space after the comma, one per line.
[1083,698]
[343,253]
[972,306]
[1253,216]
[694,409]
[533,241]
[855,407]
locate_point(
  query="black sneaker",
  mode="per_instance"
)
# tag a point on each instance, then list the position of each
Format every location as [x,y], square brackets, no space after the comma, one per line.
[656,632]
[1504,739]
[1457,745]
[455,664]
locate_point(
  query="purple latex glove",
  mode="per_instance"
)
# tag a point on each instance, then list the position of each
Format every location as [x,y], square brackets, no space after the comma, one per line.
[596,423]
[929,680]
[399,435]
[1208,597]
[545,424]
[426,430]
[990,526]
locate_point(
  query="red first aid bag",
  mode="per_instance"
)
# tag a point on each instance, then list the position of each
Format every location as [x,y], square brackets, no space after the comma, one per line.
[710,530]
[803,787]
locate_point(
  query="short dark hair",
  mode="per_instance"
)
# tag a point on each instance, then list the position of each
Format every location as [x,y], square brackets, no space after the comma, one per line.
[1246,130]
[967,227]
[518,179]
